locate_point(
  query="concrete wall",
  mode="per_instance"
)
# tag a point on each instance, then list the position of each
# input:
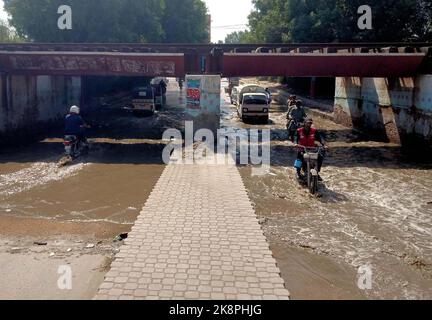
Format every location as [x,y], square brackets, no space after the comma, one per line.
[203,105]
[31,105]
[397,110]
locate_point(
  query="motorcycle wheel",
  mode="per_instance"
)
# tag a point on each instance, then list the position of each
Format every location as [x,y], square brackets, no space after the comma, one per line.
[313,188]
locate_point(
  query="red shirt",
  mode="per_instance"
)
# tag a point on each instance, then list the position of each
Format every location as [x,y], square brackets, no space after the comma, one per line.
[307,140]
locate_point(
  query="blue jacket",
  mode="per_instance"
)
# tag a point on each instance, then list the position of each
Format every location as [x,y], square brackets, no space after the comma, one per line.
[74,125]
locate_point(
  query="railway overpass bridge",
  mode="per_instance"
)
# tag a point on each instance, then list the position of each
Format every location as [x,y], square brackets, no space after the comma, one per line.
[305,60]
[382,86]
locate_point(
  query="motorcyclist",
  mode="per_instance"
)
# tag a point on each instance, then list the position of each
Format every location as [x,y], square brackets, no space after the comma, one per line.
[296,116]
[291,102]
[307,136]
[75,125]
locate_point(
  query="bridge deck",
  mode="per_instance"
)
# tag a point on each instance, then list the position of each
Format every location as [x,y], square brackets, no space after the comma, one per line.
[197,238]
[229,60]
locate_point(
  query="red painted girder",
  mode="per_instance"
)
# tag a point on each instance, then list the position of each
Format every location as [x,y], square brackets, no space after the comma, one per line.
[322,65]
[68,63]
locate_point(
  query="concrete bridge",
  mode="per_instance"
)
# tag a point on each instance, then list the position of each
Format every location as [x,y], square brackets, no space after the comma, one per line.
[381,87]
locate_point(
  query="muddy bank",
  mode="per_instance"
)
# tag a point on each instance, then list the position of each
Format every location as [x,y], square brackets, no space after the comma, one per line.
[32,271]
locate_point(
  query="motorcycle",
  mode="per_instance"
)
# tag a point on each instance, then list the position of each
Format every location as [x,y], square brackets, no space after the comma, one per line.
[73,149]
[309,166]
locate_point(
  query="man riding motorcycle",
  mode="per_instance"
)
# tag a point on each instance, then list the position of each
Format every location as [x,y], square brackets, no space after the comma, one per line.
[291,102]
[307,136]
[75,126]
[295,116]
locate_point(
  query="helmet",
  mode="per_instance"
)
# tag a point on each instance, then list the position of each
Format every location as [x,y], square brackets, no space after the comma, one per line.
[308,120]
[293,97]
[74,109]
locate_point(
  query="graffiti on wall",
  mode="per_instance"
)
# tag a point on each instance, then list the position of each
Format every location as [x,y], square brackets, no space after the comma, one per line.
[129,65]
[193,94]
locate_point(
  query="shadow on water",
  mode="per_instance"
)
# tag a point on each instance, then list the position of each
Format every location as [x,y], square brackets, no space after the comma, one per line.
[329,196]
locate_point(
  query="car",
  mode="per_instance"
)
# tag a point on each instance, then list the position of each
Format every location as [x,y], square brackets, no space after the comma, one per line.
[143,100]
[254,105]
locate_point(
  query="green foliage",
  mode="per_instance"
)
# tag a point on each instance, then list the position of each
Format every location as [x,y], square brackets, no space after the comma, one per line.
[238,37]
[185,21]
[284,21]
[7,34]
[111,20]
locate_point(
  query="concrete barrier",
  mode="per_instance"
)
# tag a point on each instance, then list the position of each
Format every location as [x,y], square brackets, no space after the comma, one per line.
[397,110]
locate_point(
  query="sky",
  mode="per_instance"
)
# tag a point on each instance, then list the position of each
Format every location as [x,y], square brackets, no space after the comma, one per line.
[227,16]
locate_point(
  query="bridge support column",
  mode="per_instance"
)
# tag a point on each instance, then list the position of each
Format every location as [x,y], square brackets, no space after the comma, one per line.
[33,105]
[203,101]
[393,109]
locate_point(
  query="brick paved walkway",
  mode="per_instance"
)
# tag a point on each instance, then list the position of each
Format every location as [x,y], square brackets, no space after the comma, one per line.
[197,238]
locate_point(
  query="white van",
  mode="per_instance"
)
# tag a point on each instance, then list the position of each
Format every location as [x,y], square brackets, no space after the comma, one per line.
[254,105]
[247,88]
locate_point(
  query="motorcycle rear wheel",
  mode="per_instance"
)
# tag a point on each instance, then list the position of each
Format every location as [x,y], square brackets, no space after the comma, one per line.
[313,188]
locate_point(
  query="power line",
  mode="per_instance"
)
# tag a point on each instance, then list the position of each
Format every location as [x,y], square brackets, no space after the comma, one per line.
[230,26]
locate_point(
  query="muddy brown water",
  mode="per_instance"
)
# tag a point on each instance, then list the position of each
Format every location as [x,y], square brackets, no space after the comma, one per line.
[373,209]
[100,194]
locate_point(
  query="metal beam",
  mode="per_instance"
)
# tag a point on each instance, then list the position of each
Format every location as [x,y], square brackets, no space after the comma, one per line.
[93,63]
[322,65]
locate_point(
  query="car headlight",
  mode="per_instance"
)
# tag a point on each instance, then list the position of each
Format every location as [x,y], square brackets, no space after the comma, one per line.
[245,110]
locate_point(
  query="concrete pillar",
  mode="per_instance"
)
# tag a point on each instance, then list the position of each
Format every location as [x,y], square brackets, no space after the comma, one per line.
[394,109]
[203,101]
[32,105]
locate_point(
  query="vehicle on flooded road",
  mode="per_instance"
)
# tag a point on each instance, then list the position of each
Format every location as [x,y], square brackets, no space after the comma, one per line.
[254,106]
[232,83]
[240,91]
[309,166]
[160,88]
[143,101]
[74,148]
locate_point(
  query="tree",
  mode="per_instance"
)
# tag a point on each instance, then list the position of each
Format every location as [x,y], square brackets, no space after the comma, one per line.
[276,21]
[185,21]
[110,20]
[237,37]
[7,34]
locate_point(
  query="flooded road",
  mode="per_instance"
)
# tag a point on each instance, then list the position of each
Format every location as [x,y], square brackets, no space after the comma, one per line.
[110,185]
[374,209]
[76,211]
[374,206]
